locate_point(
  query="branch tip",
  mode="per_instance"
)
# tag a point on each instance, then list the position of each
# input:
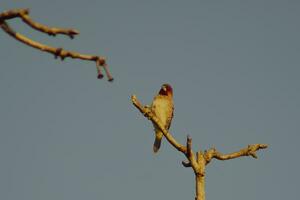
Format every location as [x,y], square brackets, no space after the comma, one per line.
[72,33]
[133,98]
[253,154]
[100,76]
[189,144]
[186,163]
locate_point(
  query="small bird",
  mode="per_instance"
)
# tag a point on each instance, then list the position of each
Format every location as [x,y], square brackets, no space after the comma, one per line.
[163,107]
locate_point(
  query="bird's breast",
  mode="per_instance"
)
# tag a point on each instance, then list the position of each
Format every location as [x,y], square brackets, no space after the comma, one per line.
[162,108]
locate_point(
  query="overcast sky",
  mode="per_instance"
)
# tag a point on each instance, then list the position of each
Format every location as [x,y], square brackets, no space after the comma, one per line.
[234,67]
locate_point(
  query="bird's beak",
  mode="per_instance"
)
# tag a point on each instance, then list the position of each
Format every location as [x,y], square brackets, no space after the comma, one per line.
[164,88]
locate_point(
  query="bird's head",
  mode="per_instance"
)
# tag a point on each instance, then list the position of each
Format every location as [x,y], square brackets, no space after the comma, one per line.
[166,90]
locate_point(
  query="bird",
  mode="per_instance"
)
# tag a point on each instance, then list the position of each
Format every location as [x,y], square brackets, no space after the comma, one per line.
[163,108]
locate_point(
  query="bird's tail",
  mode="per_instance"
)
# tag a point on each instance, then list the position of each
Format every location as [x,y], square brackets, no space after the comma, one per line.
[157,141]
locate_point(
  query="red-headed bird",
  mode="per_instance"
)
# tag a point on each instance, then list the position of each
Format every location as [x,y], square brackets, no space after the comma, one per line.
[163,107]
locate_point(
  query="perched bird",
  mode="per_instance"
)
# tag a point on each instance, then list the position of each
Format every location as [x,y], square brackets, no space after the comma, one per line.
[163,107]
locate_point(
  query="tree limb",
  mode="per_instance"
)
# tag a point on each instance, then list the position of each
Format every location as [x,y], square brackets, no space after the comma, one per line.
[250,150]
[57,52]
[190,154]
[24,15]
[198,162]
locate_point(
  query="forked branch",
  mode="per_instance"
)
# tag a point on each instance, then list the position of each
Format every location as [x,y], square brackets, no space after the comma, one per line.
[57,52]
[199,161]
[250,150]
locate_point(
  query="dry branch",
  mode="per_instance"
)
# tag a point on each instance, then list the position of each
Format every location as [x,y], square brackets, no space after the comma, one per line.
[190,154]
[198,162]
[24,15]
[250,150]
[57,52]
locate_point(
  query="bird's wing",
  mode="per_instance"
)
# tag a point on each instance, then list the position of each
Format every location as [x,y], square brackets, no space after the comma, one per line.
[169,120]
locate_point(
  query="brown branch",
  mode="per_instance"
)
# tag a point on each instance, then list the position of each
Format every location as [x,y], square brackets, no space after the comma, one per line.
[190,154]
[24,15]
[250,150]
[198,162]
[57,52]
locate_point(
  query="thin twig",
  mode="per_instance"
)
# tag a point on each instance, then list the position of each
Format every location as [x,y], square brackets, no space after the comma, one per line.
[250,150]
[190,154]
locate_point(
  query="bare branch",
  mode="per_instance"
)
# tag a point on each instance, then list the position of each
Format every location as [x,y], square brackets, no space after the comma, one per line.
[198,162]
[248,151]
[190,154]
[108,74]
[24,15]
[57,52]
[189,146]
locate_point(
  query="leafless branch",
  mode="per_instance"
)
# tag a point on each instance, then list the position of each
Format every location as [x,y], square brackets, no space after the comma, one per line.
[190,154]
[57,52]
[198,162]
[250,150]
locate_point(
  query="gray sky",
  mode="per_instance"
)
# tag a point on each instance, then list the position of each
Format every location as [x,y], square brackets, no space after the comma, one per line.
[234,67]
